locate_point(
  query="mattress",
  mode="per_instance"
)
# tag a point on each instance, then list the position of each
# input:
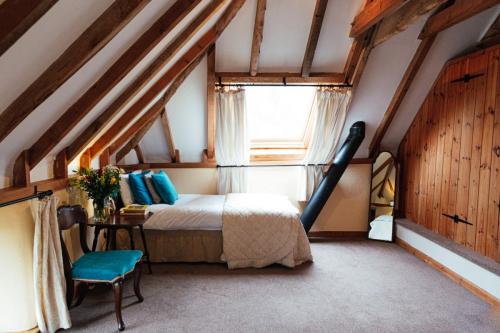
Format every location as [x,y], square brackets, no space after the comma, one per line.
[190,212]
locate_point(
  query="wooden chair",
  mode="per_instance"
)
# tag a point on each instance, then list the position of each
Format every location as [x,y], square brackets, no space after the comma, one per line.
[109,267]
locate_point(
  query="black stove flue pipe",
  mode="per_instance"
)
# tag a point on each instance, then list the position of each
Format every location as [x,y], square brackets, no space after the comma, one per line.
[332,176]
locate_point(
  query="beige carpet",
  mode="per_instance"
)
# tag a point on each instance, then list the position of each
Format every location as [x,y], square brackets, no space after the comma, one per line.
[355,286]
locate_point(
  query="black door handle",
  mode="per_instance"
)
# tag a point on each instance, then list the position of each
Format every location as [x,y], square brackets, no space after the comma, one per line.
[457,219]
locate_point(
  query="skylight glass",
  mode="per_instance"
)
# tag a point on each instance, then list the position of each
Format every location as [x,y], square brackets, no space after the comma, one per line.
[278,114]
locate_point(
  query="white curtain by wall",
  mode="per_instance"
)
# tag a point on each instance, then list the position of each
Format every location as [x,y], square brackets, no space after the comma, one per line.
[329,111]
[50,286]
[232,145]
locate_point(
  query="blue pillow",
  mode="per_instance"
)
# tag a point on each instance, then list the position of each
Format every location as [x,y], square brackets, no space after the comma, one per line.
[139,189]
[165,188]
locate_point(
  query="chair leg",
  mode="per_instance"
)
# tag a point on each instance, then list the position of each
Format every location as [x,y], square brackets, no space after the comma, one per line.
[70,289]
[82,292]
[137,280]
[118,288]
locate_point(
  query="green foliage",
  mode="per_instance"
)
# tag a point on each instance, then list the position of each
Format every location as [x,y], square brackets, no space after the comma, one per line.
[99,184]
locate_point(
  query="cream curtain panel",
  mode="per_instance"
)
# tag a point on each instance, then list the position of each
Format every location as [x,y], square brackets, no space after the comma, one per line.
[232,144]
[329,111]
[50,286]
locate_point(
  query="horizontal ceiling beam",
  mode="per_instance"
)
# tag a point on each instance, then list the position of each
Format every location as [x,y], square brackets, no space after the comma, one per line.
[97,35]
[279,78]
[372,13]
[121,67]
[17,16]
[458,12]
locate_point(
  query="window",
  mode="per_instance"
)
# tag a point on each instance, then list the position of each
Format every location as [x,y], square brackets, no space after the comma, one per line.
[279,122]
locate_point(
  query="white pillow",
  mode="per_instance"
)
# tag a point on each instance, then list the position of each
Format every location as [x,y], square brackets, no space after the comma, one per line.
[149,184]
[125,191]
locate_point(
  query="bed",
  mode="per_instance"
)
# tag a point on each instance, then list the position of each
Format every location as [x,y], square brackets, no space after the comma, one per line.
[243,230]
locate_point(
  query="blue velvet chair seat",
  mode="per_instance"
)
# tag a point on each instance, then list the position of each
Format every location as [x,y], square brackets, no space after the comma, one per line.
[105,266]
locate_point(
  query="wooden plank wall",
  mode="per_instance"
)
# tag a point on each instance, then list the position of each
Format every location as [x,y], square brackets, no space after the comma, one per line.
[451,155]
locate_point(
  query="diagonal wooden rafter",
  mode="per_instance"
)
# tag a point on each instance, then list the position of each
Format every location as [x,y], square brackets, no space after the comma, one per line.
[373,12]
[121,67]
[366,46]
[492,35]
[93,39]
[312,42]
[211,101]
[139,153]
[134,142]
[493,30]
[386,178]
[258,34]
[196,51]
[17,16]
[135,87]
[165,123]
[459,11]
[402,89]
[147,119]
[403,18]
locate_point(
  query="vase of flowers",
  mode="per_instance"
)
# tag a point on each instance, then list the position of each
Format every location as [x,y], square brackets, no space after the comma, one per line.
[102,186]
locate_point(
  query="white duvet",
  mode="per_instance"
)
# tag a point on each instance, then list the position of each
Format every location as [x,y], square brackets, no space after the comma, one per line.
[190,212]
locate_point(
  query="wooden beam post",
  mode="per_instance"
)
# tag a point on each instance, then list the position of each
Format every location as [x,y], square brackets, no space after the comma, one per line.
[17,16]
[145,77]
[397,99]
[104,158]
[115,74]
[403,18]
[211,102]
[312,42]
[373,12]
[100,32]
[168,136]
[258,35]
[459,11]
[21,177]
[193,54]
[61,165]
[85,160]
[138,152]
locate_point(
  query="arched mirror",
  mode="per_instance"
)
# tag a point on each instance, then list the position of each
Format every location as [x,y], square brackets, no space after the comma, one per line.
[383,190]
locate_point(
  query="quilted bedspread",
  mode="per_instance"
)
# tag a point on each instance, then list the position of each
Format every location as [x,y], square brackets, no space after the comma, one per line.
[262,229]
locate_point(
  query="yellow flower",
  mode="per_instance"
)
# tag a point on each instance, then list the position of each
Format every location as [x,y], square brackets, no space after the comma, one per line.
[112,181]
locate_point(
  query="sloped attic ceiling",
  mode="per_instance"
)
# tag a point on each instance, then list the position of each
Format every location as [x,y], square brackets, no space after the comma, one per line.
[386,67]
[58,28]
[287,24]
[286,29]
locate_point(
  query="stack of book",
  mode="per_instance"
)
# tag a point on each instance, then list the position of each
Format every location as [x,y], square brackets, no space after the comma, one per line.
[134,210]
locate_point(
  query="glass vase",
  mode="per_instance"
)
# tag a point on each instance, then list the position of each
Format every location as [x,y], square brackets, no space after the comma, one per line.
[101,214]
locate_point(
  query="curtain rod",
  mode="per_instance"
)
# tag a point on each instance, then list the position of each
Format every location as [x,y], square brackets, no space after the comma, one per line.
[39,196]
[268,165]
[282,85]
